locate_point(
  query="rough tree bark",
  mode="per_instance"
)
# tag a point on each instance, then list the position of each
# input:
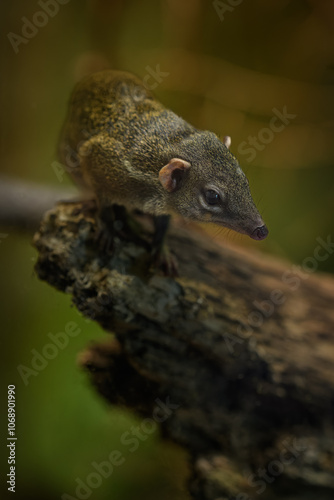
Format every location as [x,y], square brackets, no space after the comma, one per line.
[239,348]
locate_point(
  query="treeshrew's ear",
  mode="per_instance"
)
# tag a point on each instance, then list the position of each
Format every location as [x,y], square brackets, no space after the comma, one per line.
[171,174]
[227,141]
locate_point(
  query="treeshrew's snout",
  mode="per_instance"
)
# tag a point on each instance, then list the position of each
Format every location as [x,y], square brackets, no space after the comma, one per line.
[260,233]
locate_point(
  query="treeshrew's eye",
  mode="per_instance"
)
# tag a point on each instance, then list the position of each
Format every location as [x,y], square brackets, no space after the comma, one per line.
[212,197]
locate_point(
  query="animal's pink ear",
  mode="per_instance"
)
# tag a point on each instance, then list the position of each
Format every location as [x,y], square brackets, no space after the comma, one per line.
[172,174]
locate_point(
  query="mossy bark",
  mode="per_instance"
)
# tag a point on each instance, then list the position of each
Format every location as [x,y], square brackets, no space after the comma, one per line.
[239,350]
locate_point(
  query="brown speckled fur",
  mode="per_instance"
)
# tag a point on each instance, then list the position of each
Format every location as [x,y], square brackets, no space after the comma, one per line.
[117,137]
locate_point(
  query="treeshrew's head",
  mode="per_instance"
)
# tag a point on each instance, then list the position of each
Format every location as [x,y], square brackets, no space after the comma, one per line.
[205,183]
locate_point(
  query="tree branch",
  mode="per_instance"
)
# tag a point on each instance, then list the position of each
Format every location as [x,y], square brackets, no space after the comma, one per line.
[22,204]
[244,371]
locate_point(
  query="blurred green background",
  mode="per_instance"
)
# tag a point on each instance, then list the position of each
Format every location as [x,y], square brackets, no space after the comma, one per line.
[227,68]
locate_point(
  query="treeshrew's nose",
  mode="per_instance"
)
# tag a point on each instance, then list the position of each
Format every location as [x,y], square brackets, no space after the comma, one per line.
[260,233]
